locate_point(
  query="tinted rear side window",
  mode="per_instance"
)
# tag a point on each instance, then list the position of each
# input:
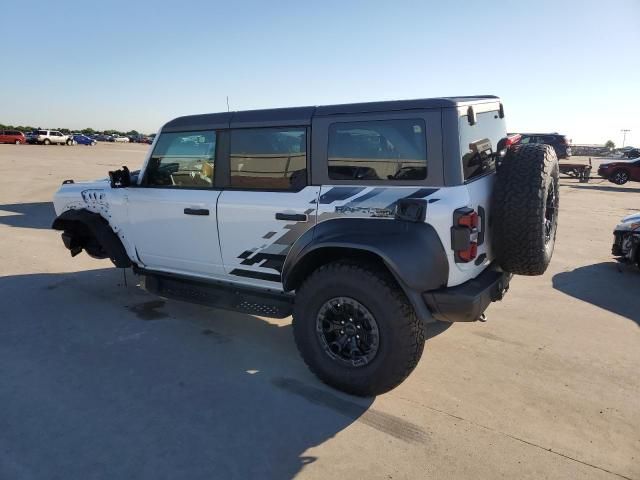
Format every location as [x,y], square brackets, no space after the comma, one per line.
[489,126]
[378,150]
[269,158]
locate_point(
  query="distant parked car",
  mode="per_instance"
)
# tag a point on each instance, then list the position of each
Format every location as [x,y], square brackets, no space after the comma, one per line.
[140,139]
[620,171]
[120,139]
[48,137]
[559,142]
[12,136]
[84,140]
[633,153]
[104,138]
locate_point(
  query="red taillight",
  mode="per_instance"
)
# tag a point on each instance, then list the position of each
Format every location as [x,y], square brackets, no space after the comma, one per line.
[464,234]
[470,253]
[508,141]
[513,139]
[469,220]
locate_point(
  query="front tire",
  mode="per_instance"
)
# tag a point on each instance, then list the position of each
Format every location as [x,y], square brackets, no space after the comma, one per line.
[620,177]
[355,328]
[18,142]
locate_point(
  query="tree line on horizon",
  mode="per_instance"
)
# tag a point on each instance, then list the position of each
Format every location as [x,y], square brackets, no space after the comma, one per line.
[66,131]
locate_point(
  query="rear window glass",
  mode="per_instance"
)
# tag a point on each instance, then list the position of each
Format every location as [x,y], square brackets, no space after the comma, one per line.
[378,150]
[269,158]
[488,126]
[42,132]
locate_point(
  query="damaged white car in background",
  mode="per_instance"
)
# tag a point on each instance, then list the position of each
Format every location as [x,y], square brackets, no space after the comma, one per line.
[626,244]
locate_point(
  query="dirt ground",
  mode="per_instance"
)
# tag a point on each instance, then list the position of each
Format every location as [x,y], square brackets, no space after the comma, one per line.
[102,380]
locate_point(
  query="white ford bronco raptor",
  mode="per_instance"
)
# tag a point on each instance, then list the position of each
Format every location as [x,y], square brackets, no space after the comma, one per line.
[363,221]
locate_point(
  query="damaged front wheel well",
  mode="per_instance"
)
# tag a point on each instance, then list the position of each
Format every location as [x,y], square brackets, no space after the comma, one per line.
[82,229]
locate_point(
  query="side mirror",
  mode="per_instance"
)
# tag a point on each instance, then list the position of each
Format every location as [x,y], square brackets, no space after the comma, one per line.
[120,178]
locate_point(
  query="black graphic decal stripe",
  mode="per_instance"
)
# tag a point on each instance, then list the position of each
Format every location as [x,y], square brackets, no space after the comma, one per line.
[272,277]
[368,195]
[336,194]
[272,261]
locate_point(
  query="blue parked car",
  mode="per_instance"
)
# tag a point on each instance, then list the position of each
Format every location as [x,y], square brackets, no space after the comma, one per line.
[84,140]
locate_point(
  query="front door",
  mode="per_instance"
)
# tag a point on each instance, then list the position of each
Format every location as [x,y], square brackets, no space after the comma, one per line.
[172,214]
[268,204]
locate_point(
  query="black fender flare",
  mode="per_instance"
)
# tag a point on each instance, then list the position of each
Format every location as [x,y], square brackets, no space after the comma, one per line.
[99,228]
[412,251]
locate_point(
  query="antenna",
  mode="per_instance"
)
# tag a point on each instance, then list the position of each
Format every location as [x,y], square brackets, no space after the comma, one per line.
[624,135]
[227,103]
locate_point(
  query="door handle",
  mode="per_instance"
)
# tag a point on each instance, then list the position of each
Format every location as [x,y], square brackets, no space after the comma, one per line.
[196,211]
[292,217]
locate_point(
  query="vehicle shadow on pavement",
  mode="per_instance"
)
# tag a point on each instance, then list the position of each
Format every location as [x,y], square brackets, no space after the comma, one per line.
[604,188]
[100,380]
[608,285]
[28,215]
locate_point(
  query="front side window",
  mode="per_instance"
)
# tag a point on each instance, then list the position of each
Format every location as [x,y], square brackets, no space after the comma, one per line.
[269,158]
[182,160]
[378,150]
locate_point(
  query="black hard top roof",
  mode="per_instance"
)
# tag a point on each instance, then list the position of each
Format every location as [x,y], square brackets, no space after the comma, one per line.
[303,115]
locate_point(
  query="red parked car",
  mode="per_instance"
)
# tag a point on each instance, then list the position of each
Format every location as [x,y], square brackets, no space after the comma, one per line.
[620,171]
[12,136]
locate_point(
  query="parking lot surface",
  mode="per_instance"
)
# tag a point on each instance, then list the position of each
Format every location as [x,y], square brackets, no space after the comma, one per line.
[102,380]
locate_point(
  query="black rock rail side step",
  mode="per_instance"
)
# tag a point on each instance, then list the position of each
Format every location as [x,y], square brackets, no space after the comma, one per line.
[237,298]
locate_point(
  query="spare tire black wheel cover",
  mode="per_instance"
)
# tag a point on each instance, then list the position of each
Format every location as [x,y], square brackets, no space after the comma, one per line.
[525,209]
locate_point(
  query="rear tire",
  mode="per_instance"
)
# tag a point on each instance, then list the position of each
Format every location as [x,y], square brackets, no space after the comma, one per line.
[525,209]
[18,142]
[620,177]
[364,298]
[47,141]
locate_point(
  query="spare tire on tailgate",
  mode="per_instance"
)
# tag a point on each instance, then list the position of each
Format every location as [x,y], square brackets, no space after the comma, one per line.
[525,209]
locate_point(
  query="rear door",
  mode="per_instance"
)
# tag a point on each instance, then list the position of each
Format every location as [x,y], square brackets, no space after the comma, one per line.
[479,176]
[268,203]
[172,214]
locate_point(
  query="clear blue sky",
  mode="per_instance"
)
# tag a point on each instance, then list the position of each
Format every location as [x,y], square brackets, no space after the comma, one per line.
[567,66]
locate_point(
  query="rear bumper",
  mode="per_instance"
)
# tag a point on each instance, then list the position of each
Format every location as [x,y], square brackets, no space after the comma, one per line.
[467,302]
